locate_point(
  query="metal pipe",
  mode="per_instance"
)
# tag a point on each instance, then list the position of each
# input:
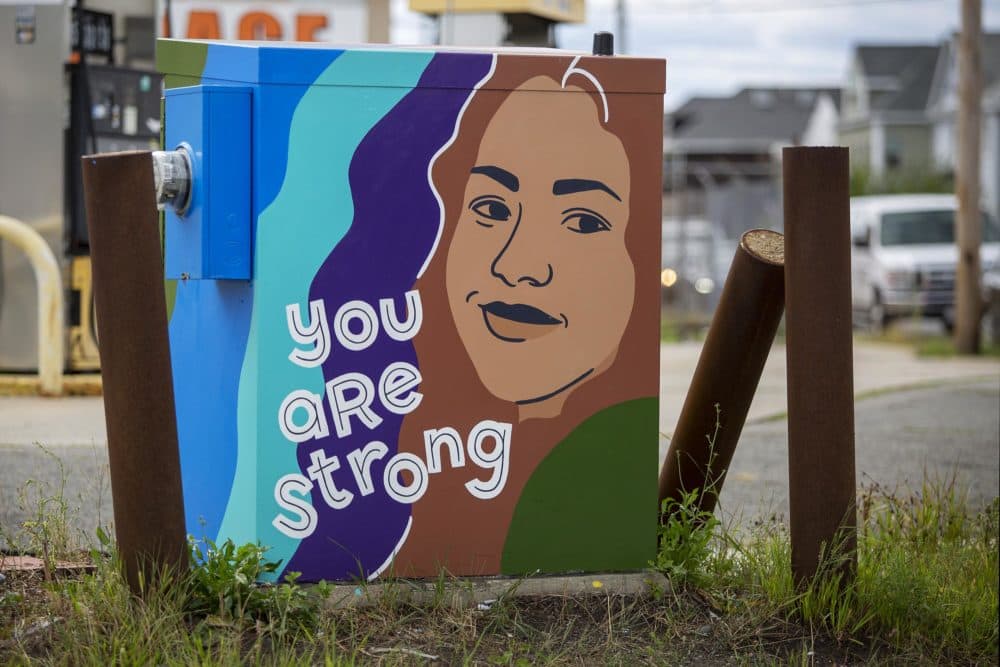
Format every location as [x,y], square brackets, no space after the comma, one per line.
[172,174]
[822,515]
[729,369]
[50,301]
[120,200]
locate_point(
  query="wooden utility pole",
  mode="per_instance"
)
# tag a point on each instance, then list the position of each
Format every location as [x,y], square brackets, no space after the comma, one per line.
[622,27]
[378,21]
[968,224]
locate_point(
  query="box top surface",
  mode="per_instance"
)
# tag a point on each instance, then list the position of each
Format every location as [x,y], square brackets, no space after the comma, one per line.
[295,63]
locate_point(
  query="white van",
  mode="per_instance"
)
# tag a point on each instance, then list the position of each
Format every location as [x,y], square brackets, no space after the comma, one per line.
[903,256]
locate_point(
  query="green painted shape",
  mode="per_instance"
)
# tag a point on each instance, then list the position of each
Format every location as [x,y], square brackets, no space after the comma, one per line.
[591,503]
[182,64]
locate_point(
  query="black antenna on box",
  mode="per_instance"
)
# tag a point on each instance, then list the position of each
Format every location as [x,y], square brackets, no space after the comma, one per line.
[604,44]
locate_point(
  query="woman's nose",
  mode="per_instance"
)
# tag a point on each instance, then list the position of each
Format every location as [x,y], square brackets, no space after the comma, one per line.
[523,257]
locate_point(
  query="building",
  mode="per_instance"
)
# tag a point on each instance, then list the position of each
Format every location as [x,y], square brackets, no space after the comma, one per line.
[62,110]
[942,106]
[487,23]
[723,154]
[723,177]
[884,118]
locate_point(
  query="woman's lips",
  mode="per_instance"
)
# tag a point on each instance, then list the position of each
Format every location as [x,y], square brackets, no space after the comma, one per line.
[517,322]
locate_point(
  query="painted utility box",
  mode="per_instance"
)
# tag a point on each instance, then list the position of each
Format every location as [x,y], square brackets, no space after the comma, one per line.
[414,306]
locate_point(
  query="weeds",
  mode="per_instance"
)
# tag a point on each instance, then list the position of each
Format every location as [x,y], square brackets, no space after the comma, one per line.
[687,532]
[222,588]
[224,582]
[925,586]
[928,569]
[686,536]
[925,590]
[48,530]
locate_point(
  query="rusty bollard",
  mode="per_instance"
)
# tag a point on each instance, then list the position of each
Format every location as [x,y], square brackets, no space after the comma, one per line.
[135,363]
[728,371]
[820,360]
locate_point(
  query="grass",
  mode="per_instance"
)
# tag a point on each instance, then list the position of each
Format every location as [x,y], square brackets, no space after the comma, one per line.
[925,343]
[863,182]
[92,620]
[678,325]
[925,587]
[925,591]
[940,346]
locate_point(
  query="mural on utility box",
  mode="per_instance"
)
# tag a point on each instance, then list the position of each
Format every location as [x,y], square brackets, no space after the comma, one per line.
[448,354]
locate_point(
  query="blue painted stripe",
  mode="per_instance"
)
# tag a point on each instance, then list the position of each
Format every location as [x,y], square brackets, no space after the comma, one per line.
[312,211]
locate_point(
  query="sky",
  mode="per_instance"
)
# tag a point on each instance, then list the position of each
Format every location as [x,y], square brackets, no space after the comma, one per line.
[716,47]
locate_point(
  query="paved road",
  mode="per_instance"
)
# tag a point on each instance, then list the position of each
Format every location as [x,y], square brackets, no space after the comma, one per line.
[63,479]
[899,436]
[951,423]
[877,367]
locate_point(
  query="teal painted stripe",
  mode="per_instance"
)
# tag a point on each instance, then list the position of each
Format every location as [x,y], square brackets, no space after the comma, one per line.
[311,214]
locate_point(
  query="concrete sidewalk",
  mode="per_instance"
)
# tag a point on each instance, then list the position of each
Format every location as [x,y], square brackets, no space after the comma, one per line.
[27,420]
[877,367]
[943,433]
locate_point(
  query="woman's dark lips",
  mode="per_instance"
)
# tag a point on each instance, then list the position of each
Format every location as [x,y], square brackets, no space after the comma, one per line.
[519,312]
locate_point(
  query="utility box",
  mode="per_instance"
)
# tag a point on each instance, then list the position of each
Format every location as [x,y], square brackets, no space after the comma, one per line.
[414,306]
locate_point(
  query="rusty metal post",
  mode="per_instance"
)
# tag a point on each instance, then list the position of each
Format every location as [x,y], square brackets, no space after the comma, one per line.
[135,362]
[728,371]
[819,358]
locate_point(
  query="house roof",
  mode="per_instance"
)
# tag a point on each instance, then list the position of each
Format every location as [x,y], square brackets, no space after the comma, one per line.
[989,61]
[892,60]
[760,115]
[990,58]
[904,73]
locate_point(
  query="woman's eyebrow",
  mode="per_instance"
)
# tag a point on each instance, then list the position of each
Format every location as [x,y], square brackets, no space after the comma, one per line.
[567,186]
[501,176]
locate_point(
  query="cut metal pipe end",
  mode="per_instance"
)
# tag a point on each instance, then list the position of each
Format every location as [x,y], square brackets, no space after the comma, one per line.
[729,369]
[172,173]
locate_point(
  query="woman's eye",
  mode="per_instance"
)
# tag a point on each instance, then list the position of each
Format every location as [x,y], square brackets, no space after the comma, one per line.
[490,208]
[585,222]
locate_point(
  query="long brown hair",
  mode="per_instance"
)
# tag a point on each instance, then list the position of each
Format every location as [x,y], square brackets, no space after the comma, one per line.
[453,394]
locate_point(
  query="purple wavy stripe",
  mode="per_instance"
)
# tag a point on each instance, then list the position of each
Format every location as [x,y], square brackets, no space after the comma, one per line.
[395,223]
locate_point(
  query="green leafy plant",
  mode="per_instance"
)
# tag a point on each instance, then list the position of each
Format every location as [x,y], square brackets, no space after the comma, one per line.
[687,532]
[47,529]
[686,536]
[224,586]
[224,579]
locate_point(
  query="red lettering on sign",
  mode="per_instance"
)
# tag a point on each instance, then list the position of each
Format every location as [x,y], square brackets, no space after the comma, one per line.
[307,25]
[259,26]
[203,25]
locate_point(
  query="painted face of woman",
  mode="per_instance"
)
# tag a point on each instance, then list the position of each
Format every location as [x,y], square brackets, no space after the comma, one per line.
[540,282]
